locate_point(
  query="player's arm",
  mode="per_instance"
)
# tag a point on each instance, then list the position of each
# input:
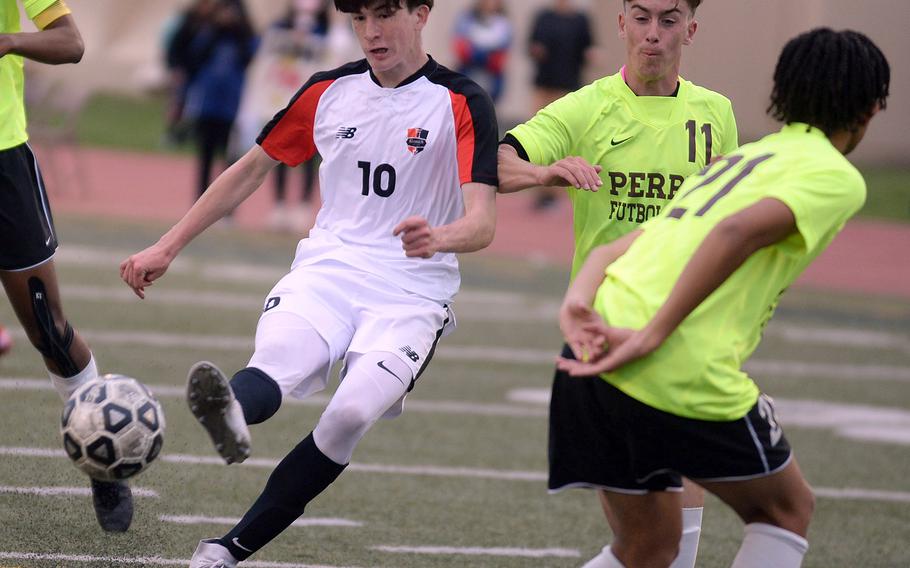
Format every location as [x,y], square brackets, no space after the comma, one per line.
[516,173]
[57,42]
[228,191]
[576,317]
[722,252]
[469,233]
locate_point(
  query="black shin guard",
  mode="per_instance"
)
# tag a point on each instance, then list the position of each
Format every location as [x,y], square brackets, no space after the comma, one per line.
[257,393]
[54,346]
[302,475]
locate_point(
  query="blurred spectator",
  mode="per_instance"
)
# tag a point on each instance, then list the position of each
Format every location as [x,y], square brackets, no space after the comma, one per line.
[559,44]
[216,57]
[293,48]
[177,35]
[481,44]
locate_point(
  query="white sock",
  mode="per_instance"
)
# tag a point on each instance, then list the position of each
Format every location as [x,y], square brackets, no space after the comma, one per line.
[688,542]
[767,545]
[66,386]
[606,559]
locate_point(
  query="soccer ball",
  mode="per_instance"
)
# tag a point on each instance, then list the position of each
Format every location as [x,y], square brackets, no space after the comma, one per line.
[112,427]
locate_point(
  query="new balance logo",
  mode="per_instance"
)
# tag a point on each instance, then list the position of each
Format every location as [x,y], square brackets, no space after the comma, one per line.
[345,132]
[412,355]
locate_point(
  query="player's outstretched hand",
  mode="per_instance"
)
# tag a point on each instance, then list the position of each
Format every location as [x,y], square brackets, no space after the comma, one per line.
[417,237]
[574,171]
[142,268]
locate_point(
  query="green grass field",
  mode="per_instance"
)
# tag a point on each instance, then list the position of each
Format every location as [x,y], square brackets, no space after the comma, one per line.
[465,466]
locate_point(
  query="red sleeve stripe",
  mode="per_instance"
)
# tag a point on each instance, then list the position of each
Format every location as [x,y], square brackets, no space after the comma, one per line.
[290,139]
[464,133]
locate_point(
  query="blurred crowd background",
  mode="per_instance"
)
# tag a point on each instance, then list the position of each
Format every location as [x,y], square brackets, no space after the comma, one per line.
[254,54]
[734,50]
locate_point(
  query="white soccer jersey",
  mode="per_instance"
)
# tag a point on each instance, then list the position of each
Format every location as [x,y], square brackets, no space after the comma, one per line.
[387,154]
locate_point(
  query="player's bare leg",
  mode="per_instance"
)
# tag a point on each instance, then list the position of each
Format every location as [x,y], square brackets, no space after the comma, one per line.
[693,501]
[35,297]
[646,530]
[777,510]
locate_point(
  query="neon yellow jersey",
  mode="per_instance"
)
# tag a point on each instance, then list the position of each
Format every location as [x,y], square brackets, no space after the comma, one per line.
[697,372]
[12,76]
[647,146]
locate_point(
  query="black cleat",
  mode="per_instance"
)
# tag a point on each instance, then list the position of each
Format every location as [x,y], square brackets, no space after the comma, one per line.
[212,402]
[113,502]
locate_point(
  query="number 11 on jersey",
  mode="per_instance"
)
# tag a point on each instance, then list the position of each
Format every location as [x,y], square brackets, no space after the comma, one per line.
[692,127]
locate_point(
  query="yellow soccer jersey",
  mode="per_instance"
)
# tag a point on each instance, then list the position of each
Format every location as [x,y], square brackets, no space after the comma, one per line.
[12,76]
[697,372]
[647,146]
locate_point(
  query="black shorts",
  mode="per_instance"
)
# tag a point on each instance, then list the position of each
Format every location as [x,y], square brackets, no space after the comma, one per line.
[601,437]
[27,235]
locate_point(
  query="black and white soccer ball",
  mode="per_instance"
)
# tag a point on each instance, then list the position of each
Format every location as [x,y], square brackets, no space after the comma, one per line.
[112,427]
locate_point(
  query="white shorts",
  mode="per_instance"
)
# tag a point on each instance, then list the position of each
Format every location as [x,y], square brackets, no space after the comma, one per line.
[354,312]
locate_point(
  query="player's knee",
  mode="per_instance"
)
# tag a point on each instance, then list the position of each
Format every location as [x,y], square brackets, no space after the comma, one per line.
[347,419]
[796,512]
[791,510]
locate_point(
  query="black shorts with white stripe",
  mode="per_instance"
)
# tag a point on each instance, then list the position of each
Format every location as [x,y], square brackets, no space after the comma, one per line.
[601,437]
[27,234]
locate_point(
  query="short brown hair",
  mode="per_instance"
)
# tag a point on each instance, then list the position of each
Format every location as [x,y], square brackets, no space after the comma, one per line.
[693,4]
[354,6]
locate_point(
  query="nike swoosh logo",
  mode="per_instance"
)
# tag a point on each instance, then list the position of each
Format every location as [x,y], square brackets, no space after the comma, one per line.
[387,370]
[614,142]
[240,546]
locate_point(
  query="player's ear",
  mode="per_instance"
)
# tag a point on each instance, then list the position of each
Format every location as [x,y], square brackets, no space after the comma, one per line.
[423,14]
[622,25]
[691,28]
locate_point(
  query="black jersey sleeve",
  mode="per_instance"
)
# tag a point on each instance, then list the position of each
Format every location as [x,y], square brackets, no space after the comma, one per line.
[475,127]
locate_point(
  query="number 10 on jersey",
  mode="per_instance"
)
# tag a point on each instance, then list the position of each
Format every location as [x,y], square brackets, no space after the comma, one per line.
[381,180]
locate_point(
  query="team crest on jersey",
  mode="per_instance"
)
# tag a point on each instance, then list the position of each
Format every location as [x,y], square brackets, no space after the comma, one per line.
[417,140]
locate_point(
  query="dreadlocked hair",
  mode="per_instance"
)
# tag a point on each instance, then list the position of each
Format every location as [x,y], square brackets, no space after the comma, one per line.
[831,80]
[354,6]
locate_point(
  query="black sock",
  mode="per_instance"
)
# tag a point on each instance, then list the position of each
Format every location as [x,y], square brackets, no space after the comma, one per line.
[257,393]
[302,475]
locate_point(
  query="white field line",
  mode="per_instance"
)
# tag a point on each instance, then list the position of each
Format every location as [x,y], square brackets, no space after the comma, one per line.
[232,521]
[476,354]
[264,463]
[863,494]
[140,560]
[441,471]
[68,491]
[475,551]
[412,405]
[852,421]
[476,305]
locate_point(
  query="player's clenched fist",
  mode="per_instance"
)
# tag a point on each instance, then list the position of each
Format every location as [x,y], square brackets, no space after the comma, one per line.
[417,237]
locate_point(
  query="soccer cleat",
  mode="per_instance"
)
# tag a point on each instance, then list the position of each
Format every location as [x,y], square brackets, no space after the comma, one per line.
[113,501]
[210,554]
[213,404]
